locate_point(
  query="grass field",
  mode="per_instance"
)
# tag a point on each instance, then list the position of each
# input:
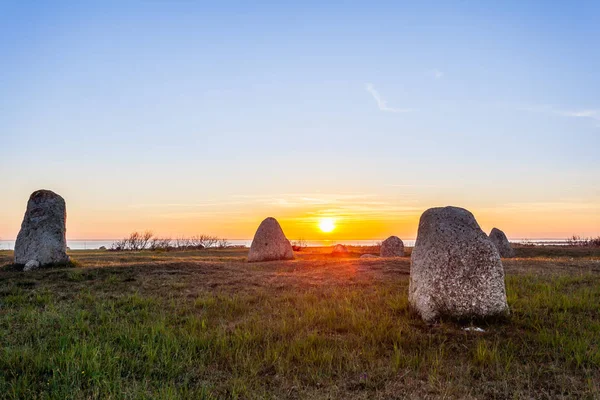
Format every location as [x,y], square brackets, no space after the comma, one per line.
[206,324]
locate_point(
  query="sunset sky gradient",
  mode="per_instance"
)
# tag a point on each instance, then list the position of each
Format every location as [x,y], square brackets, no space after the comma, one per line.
[196,117]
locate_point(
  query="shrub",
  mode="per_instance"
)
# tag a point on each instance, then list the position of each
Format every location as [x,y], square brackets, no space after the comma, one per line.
[299,245]
[576,240]
[160,244]
[137,241]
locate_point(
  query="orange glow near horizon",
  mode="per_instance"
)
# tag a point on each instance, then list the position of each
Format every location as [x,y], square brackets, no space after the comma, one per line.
[309,216]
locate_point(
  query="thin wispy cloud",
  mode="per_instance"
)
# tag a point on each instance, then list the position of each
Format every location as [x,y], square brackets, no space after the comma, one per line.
[201,214]
[358,213]
[381,103]
[436,73]
[415,186]
[350,206]
[184,205]
[548,206]
[306,198]
[593,114]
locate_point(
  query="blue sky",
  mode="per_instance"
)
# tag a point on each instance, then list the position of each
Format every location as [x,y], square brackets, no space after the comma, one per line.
[142,113]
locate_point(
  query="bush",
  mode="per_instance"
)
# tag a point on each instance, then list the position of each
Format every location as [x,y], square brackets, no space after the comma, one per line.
[299,245]
[204,241]
[160,244]
[583,242]
[137,241]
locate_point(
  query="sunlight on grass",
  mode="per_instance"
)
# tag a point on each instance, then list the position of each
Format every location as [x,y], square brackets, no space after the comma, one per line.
[83,333]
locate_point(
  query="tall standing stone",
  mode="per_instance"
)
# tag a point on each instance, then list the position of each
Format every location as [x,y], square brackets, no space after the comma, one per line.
[270,243]
[392,247]
[501,242]
[455,269]
[42,238]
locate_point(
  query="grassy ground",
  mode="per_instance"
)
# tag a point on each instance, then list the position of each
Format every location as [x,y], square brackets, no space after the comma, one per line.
[206,324]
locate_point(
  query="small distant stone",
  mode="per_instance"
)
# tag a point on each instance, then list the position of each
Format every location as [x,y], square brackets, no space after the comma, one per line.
[270,243]
[102,248]
[392,247]
[31,265]
[368,256]
[455,269]
[473,329]
[43,232]
[501,242]
[339,249]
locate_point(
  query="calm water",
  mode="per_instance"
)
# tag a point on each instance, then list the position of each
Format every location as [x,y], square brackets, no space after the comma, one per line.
[95,244]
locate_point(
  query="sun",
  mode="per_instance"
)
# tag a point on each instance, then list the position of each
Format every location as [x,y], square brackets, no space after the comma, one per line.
[327,224]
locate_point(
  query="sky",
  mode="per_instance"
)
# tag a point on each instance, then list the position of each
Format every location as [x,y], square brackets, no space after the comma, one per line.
[186,117]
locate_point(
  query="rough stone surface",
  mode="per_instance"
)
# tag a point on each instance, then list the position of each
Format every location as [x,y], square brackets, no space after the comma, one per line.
[30,265]
[392,247]
[270,243]
[501,242]
[339,249]
[368,256]
[455,269]
[42,237]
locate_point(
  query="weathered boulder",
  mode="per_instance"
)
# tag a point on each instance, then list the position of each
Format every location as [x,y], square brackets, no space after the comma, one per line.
[368,256]
[102,248]
[501,242]
[455,269]
[42,237]
[392,247]
[270,243]
[339,249]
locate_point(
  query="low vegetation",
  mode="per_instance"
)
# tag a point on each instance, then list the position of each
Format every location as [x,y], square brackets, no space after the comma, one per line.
[138,241]
[583,242]
[299,245]
[205,324]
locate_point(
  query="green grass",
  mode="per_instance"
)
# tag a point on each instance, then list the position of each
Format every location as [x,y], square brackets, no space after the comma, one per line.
[179,326]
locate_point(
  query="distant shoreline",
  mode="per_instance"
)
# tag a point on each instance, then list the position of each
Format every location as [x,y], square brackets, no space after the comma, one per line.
[79,244]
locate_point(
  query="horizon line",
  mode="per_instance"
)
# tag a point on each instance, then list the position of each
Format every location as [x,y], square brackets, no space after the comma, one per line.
[187,237]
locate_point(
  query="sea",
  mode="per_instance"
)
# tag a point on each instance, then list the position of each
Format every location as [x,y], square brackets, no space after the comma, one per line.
[96,244]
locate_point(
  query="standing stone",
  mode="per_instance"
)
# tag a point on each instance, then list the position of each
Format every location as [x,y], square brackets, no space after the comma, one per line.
[455,269]
[501,242]
[270,243]
[339,249]
[42,238]
[392,247]
[369,256]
